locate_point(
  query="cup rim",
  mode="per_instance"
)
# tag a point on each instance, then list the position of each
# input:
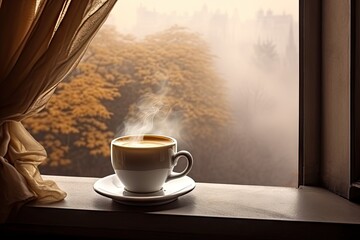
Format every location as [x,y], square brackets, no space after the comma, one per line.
[159,136]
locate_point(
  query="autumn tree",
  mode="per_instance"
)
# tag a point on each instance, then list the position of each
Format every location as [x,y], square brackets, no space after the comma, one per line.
[178,64]
[75,116]
[102,94]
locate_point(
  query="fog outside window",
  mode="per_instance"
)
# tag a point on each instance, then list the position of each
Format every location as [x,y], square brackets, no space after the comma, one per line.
[221,77]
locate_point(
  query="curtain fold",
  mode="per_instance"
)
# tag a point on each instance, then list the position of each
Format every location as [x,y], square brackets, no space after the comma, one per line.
[41,42]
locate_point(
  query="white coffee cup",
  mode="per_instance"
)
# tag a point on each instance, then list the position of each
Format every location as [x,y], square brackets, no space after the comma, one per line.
[143,163]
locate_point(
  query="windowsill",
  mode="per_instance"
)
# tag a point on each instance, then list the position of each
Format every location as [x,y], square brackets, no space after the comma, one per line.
[210,210]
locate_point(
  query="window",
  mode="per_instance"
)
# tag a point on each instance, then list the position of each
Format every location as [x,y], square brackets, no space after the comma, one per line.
[237,62]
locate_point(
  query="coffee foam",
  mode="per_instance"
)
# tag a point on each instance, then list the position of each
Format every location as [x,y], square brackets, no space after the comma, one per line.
[146,142]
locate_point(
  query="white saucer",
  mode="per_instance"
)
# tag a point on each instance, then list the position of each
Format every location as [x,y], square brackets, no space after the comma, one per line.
[110,186]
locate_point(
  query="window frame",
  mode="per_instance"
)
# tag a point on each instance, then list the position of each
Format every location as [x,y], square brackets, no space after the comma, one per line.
[309,89]
[329,86]
[355,99]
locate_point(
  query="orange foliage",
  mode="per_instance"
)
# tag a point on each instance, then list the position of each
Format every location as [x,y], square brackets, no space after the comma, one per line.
[114,73]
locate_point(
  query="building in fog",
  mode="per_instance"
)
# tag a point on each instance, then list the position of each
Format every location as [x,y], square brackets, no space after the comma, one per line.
[227,29]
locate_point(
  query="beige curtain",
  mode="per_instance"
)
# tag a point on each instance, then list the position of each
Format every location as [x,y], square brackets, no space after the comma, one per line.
[41,41]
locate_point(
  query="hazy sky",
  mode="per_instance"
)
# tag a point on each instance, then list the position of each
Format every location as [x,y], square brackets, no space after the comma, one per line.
[125,10]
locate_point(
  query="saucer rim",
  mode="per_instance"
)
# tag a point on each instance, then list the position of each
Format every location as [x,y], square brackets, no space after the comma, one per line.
[144,200]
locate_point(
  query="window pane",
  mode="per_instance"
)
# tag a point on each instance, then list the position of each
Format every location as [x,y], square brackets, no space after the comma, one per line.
[220,76]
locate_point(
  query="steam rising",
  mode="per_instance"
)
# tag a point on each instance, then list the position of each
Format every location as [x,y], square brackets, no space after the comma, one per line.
[152,115]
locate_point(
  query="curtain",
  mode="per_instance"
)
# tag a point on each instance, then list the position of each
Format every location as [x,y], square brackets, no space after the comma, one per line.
[41,42]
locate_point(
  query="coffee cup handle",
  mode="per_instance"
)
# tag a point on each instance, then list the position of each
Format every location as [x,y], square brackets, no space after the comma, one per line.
[175,157]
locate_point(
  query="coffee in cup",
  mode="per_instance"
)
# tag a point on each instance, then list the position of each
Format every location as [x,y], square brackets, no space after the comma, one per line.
[143,163]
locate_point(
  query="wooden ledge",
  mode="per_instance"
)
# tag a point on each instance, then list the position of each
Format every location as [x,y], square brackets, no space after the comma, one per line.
[210,211]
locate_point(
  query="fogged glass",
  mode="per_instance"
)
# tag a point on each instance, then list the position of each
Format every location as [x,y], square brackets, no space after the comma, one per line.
[221,77]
